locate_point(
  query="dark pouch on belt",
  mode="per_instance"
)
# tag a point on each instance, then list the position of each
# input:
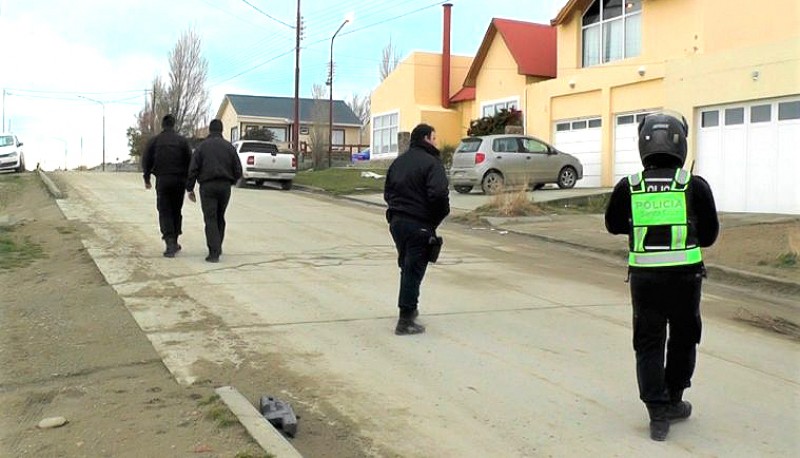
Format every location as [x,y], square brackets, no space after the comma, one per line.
[434,247]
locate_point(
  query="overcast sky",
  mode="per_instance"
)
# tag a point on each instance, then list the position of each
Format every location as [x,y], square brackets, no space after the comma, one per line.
[53,52]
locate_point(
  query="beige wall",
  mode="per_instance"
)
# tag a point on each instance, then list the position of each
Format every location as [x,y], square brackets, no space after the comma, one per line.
[499,77]
[695,53]
[229,119]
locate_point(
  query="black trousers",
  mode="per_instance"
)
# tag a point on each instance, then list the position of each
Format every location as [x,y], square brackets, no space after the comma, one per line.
[411,240]
[169,202]
[666,311]
[214,198]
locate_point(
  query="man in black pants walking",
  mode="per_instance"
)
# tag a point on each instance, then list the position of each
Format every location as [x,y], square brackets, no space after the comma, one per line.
[417,195]
[668,215]
[215,165]
[167,157]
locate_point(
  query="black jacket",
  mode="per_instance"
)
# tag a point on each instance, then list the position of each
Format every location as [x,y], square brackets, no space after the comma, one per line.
[168,153]
[700,202]
[416,186]
[214,159]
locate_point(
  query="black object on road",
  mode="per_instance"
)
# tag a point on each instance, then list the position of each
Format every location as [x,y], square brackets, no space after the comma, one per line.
[279,414]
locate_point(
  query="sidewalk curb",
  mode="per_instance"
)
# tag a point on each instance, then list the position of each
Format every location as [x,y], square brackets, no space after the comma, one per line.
[267,437]
[721,273]
[51,187]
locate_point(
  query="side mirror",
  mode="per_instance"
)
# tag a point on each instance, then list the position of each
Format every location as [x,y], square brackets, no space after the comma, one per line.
[551,150]
[19,143]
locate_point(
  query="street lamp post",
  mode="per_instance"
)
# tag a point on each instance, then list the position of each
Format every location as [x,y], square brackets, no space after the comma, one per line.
[104,128]
[347,19]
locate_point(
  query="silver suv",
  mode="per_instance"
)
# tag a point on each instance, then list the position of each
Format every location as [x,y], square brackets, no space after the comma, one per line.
[496,161]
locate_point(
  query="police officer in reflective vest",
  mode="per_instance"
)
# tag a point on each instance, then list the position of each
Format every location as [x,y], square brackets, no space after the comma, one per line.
[668,215]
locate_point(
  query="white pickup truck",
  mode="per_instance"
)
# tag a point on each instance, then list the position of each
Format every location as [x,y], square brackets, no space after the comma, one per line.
[261,161]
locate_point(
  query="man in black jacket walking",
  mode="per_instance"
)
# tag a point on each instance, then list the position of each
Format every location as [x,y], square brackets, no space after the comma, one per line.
[167,157]
[417,195]
[668,215]
[215,165]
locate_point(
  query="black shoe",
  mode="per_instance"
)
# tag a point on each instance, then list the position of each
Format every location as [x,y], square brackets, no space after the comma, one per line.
[659,430]
[659,423]
[212,258]
[407,327]
[679,411]
[178,247]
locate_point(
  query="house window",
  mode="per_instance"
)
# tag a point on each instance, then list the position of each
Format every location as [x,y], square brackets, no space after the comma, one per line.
[612,30]
[788,110]
[338,137]
[760,113]
[734,116]
[252,130]
[234,134]
[494,107]
[384,133]
[710,119]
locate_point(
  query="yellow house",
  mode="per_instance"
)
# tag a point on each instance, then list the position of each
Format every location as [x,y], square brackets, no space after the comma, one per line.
[242,113]
[411,95]
[733,72]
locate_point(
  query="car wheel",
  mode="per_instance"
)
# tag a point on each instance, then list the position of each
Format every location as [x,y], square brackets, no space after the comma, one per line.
[567,177]
[286,185]
[259,183]
[538,186]
[463,189]
[21,167]
[492,183]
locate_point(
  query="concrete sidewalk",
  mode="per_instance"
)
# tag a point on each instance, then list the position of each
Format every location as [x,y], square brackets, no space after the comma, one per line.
[587,231]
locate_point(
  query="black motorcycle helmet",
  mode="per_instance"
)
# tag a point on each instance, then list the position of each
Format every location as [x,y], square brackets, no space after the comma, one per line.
[662,139]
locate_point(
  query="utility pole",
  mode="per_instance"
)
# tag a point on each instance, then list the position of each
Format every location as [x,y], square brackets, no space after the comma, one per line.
[153,111]
[3,126]
[296,126]
[330,94]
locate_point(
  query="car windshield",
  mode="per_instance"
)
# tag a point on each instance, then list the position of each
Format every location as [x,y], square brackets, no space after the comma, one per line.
[6,140]
[469,146]
[250,147]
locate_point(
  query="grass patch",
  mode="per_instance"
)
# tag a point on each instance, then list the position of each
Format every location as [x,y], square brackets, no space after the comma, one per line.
[10,188]
[505,204]
[209,400]
[221,415]
[341,181]
[585,205]
[16,251]
[253,455]
[787,260]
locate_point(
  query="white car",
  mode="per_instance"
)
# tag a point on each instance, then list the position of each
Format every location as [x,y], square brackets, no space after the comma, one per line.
[261,161]
[11,156]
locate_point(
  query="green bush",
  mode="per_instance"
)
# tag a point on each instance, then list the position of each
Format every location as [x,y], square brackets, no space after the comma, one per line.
[447,155]
[491,125]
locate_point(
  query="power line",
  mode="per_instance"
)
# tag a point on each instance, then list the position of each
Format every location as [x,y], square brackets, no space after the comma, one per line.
[261,64]
[267,15]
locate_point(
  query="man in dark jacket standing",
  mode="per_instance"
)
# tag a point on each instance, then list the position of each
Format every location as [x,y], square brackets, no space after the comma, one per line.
[417,195]
[167,157]
[215,165]
[668,215]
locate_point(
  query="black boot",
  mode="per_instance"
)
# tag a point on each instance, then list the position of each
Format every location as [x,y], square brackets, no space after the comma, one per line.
[678,409]
[172,248]
[659,424]
[407,326]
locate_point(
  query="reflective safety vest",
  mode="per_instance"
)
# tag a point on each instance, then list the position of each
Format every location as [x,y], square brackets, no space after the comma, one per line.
[662,235]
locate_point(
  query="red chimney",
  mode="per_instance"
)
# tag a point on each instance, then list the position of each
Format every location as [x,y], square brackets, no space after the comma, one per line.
[446,56]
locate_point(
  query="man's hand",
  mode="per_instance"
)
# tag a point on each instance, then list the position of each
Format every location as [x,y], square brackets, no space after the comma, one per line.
[191,195]
[147,186]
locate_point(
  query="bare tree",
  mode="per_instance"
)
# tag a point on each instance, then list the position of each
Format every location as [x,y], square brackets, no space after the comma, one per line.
[318,134]
[186,94]
[389,60]
[361,107]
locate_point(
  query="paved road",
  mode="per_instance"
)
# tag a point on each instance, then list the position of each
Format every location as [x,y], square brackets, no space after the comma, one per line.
[528,351]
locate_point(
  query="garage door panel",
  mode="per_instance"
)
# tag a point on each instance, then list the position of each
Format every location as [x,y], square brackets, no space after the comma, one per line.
[626,151]
[584,144]
[752,166]
[787,176]
[762,163]
[734,150]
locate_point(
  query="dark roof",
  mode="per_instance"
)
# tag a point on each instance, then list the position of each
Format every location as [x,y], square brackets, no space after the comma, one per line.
[283,107]
[532,45]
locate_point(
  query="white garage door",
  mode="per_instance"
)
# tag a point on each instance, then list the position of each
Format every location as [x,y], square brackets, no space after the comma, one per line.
[750,156]
[626,145]
[581,138]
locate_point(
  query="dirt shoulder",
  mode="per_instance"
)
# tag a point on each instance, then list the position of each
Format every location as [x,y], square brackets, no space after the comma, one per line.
[69,348]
